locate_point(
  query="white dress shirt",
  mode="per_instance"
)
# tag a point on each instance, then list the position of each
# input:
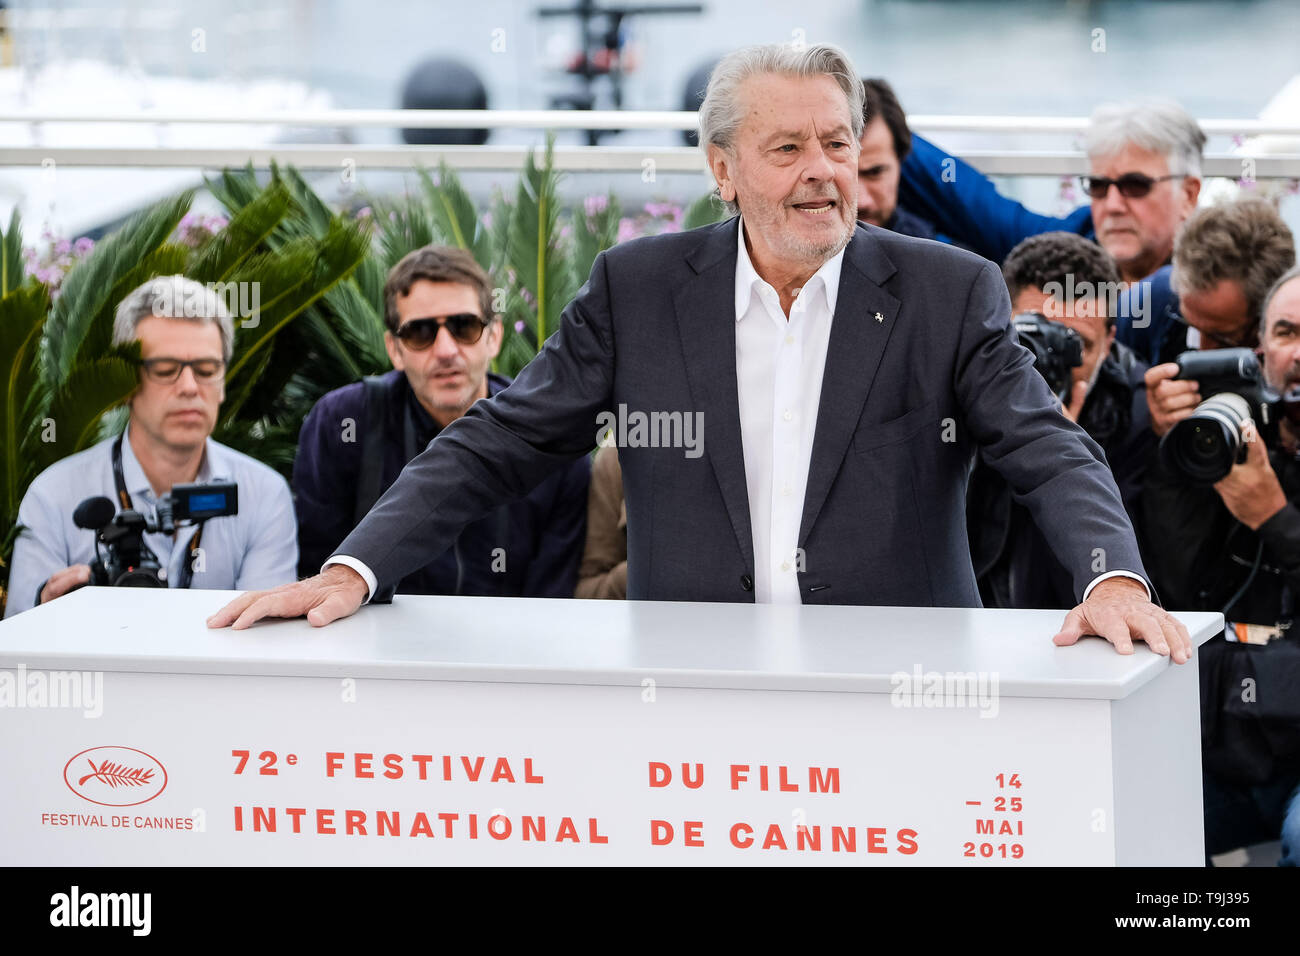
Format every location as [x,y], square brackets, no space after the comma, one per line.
[779,367]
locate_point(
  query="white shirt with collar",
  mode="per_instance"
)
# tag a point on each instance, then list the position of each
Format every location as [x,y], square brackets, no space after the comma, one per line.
[779,367]
[256,548]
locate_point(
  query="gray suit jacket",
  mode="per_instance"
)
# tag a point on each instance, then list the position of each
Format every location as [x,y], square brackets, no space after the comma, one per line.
[904,402]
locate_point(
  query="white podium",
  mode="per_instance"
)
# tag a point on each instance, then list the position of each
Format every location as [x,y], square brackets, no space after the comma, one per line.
[509,731]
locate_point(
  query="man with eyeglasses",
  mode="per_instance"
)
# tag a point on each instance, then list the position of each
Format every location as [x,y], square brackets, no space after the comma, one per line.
[186,335]
[1226,258]
[441,338]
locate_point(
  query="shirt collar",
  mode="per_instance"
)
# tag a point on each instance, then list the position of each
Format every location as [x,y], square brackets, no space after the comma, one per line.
[133,474]
[746,275]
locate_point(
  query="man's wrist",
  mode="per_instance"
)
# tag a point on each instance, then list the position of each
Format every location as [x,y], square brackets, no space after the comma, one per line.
[1127,578]
[354,570]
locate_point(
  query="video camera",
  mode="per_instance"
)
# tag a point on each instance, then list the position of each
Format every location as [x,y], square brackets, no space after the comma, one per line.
[1203,447]
[128,561]
[1057,349]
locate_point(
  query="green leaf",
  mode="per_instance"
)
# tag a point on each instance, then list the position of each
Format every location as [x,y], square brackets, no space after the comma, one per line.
[11,254]
[22,320]
[702,212]
[92,388]
[248,230]
[87,296]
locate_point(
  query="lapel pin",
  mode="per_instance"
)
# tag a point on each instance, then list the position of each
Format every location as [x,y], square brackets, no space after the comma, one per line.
[879,317]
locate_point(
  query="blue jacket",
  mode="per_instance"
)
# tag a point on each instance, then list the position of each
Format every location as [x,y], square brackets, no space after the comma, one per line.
[529,547]
[959,200]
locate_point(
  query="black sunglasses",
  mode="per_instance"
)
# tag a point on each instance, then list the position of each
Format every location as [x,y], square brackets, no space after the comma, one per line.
[1131,185]
[465,327]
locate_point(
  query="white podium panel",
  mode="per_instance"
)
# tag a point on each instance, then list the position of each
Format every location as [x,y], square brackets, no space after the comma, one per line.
[485,731]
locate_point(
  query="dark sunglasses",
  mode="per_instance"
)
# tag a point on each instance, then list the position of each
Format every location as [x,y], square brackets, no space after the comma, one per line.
[1131,185]
[465,327]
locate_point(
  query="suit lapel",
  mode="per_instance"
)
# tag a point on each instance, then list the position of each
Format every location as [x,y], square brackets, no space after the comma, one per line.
[706,321]
[865,315]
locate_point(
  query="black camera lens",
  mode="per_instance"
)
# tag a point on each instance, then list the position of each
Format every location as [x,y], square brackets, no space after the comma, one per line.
[1204,447]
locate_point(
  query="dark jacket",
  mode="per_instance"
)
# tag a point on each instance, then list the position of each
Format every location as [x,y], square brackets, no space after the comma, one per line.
[1013,562]
[921,348]
[530,547]
[1200,556]
[1149,320]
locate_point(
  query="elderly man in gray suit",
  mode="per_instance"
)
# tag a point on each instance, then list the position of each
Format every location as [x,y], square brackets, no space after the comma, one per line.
[843,376]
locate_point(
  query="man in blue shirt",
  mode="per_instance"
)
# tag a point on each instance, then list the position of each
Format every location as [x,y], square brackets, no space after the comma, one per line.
[1144,181]
[442,335]
[185,335]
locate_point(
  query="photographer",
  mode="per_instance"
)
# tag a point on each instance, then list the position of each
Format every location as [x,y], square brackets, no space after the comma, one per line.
[185,335]
[1062,288]
[1226,258]
[1234,546]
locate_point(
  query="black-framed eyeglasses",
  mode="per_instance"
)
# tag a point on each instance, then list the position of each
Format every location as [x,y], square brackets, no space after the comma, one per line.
[164,371]
[465,327]
[1130,185]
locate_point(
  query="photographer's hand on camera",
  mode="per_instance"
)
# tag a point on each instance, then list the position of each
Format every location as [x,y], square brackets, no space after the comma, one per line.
[1251,491]
[1170,401]
[61,582]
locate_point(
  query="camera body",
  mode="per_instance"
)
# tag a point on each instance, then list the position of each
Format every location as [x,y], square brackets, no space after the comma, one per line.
[127,560]
[1057,349]
[1203,447]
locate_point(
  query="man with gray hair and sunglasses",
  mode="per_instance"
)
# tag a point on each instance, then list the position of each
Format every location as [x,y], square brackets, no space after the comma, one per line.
[186,336]
[844,376]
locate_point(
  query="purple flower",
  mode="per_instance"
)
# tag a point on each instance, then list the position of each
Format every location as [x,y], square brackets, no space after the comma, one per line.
[659,210]
[627,229]
[594,205]
[519,326]
[486,220]
[527,296]
[62,247]
[565,231]
[83,245]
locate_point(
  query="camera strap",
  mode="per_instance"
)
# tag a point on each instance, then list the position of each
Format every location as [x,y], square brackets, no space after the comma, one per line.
[124,498]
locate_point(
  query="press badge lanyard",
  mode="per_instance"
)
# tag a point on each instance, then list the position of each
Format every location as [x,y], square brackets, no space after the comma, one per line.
[124,499]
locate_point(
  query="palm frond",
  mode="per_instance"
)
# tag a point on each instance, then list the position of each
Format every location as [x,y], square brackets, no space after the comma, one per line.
[249,228]
[86,300]
[11,254]
[92,388]
[22,320]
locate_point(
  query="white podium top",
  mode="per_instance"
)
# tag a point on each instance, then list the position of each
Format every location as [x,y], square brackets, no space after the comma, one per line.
[742,646]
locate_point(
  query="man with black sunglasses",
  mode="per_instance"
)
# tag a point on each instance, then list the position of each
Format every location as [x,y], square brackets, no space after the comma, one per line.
[1143,182]
[441,338]
[186,334]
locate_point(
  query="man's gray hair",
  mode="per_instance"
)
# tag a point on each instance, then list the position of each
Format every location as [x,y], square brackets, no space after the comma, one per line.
[1289,276]
[173,297]
[721,113]
[1158,126]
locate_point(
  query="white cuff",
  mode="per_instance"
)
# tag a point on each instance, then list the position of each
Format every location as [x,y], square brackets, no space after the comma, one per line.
[1116,574]
[369,576]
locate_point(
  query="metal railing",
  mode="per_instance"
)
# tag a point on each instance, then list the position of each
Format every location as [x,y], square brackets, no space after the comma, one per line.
[317,156]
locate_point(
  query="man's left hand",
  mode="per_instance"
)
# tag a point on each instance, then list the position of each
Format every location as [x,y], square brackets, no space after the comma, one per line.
[1119,610]
[1251,490]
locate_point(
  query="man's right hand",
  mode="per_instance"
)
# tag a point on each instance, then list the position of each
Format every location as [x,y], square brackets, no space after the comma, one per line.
[1169,401]
[61,582]
[334,593]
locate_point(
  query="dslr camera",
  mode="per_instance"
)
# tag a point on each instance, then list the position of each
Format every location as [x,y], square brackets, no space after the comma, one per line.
[1203,447]
[126,561]
[1057,349]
